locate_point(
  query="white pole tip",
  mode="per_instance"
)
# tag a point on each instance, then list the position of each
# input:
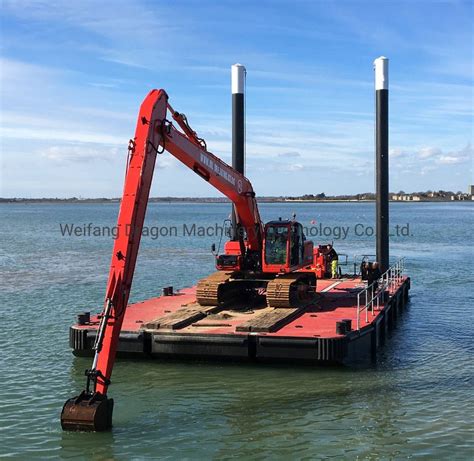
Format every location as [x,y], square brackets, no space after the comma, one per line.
[381,73]
[238,78]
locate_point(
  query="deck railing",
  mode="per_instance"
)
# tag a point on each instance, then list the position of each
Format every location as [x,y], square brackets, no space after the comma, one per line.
[372,296]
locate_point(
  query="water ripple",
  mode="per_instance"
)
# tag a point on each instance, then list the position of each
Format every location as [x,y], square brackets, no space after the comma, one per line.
[417,400]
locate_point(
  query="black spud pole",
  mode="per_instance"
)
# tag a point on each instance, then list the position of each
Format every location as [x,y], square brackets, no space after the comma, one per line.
[381,162]
[238,129]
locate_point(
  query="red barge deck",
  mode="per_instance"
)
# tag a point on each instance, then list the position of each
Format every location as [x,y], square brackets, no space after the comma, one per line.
[346,325]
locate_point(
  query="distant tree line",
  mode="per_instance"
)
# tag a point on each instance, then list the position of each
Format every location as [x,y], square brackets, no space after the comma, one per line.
[424,195]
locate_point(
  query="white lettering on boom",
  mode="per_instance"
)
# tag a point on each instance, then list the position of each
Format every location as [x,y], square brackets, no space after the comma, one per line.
[213,166]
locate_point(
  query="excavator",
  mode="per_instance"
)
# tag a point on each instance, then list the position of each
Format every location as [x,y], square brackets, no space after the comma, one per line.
[272,262]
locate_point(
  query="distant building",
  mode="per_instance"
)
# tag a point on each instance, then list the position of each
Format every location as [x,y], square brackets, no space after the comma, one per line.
[470,190]
[406,197]
[462,197]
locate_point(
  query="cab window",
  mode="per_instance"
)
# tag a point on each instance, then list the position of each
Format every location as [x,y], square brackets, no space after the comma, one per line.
[276,240]
[296,244]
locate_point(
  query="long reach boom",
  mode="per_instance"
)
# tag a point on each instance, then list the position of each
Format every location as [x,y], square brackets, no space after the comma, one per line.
[92,410]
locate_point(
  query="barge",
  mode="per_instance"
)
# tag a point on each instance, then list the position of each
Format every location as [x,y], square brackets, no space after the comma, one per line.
[275,296]
[345,325]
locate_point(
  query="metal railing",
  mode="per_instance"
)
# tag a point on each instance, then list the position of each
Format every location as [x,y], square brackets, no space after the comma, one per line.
[372,296]
[343,259]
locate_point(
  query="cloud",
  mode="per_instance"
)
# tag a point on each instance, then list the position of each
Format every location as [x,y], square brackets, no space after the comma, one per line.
[314,112]
[166,161]
[13,70]
[88,154]
[290,154]
[38,112]
[295,167]
[433,156]
[283,167]
[426,170]
[79,154]
[397,153]
[128,19]
[456,157]
[53,134]
[449,160]
[428,152]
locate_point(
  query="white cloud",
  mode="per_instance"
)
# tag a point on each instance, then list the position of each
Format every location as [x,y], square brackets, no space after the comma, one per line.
[449,160]
[432,154]
[290,154]
[426,158]
[295,167]
[300,112]
[428,152]
[426,170]
[166,161]
[278,167]
[456,157]
[79,154]
[397,153]
[54,134]
[128,19]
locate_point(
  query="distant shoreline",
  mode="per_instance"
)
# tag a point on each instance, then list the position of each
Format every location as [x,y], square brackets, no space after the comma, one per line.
[213,200]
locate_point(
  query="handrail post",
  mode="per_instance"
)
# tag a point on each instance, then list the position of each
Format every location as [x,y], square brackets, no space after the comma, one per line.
[366,304]
[358,311]
[372,300]
[389,281]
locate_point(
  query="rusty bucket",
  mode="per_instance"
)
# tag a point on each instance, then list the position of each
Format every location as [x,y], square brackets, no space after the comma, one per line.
[89,412]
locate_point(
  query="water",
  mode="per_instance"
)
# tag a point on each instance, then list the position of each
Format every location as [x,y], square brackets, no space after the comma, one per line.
[417,401]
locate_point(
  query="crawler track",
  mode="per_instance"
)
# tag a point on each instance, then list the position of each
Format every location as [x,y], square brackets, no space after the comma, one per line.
[215,289]
[288,290]
[291,290]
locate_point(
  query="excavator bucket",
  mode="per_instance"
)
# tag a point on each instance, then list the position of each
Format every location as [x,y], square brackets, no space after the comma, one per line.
[87,412]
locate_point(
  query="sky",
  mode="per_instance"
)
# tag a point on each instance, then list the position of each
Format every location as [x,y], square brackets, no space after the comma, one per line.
[73,75]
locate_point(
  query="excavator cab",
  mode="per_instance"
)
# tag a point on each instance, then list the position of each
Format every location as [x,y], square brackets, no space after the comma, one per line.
[285,247]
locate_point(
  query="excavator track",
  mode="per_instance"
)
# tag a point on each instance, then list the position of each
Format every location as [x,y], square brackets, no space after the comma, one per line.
[212,290]
[291,290]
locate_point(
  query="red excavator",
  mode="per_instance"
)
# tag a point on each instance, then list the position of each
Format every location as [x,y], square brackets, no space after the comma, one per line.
[271,263]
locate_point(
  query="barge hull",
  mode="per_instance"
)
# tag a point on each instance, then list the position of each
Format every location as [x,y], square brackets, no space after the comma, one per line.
[310,336]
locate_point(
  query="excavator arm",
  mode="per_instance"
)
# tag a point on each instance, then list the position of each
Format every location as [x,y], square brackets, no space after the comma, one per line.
[190,151]
[92,409]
